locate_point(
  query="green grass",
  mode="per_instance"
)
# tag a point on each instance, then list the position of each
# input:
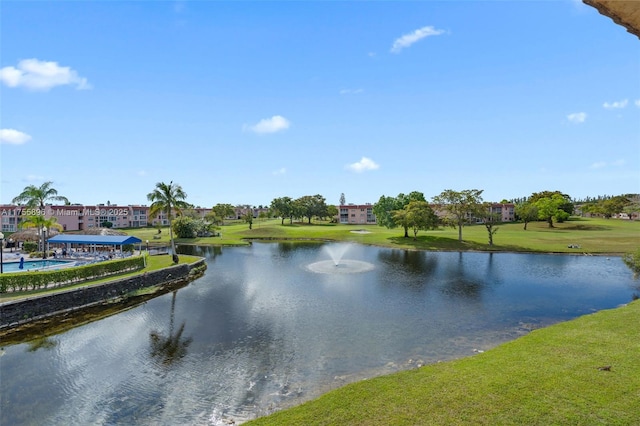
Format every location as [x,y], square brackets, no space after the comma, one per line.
[594,236]
[548,377]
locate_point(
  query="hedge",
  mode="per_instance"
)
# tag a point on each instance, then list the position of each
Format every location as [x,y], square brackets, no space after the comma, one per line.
[62,277]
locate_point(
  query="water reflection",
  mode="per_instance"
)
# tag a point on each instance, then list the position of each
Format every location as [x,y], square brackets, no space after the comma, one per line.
[44,342]
[209,252]
[259,331]
[172,347]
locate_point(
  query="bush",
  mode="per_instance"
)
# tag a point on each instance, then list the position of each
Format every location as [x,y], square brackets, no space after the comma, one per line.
[36,280]
[184,227]
[29,246]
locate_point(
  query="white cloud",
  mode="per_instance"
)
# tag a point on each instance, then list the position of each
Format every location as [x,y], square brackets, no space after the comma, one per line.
[142,173]
[637,102]
[269,125]
[41,75]
[351,91]
[363,165]
[408,39]
[33,178]
[615,105]
[280,171]
[603,164]
[577,117]
[13,137]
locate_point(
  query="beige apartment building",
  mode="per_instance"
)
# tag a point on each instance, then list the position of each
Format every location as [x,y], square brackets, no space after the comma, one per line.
[356,214]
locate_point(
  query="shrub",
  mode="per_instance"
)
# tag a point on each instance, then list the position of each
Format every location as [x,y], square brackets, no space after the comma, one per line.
[184,227]
[29,246]
[62,277]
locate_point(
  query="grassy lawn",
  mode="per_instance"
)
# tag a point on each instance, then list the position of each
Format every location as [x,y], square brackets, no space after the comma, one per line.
[551,376]
[594,236]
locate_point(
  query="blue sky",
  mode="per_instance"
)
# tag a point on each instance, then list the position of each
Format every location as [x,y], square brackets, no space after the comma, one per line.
[243,102]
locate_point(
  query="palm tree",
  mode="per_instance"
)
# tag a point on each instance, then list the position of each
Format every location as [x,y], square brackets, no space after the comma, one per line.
[42,223]
[35,197]
[167,199]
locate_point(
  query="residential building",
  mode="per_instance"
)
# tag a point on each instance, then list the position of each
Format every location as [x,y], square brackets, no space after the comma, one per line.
[357,214]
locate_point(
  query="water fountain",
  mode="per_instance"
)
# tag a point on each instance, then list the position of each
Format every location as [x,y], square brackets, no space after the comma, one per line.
[337,264]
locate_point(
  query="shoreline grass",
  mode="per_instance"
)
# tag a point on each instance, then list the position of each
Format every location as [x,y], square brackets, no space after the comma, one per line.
[581,372]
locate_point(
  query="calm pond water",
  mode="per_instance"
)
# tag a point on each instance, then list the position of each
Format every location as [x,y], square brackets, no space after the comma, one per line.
[273,325]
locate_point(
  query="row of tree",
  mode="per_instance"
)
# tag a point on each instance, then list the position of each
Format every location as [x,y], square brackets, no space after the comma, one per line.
[408,211]
[455,208]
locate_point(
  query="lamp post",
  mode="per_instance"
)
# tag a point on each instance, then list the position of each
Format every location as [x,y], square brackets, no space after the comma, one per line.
[147,246]
[1,252]
[44,242]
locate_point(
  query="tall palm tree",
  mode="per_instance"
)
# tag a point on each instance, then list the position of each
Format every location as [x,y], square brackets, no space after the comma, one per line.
[168,198]
[41,222]
[35,197]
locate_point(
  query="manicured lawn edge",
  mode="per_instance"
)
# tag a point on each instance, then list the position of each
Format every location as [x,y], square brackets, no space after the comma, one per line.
[591,235]
[581,372]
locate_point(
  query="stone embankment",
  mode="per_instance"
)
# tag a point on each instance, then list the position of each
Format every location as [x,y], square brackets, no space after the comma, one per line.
[19,312]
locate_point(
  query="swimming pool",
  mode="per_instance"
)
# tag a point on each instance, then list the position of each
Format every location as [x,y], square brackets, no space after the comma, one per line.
[32,265]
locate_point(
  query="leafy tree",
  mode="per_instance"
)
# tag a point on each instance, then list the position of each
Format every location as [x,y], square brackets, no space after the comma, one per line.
[610,206]
[343,200]
[222,211]
[282,207]
[312,205]
[566,206]
[527,212]
[460,206]
[550,208]
[401,218]
[168,198]
[490,220]
[633,208]
[420,216]
[248,218]
[184,227]
[37,196]
[333,212]
[385,207]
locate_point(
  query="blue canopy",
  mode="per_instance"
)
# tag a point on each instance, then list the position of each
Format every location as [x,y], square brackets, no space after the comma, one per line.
[105,240]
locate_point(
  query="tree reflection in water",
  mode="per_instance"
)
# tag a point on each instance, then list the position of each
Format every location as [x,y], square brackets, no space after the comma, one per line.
[169,349]
[42,343]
